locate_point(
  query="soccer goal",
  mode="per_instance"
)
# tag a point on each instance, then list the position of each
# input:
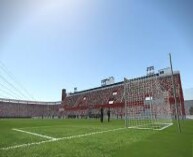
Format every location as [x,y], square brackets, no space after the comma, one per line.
[146,104]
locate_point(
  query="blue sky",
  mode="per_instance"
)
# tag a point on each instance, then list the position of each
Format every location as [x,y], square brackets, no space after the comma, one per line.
[49,45]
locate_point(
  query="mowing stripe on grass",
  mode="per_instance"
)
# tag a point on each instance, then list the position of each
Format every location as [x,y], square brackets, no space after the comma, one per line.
[59,139]
[41,126]
[35,134]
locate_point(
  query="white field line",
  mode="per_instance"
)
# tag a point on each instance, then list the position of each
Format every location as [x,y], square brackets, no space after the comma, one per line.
[88,134]
[25,145]
[138,126]
[59,139]
[35,134]
[169,124]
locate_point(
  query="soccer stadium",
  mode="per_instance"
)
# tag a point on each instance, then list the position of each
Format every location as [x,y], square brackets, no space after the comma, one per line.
[96,78]
[146,103]
[87,103]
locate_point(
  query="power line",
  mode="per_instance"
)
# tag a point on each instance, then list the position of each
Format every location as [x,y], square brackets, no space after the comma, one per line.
[4,96]
[11,85]
[5,69]
[7,93]
[10,91]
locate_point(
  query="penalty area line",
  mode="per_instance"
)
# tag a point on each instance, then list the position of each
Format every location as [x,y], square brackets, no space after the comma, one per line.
[25,145]
[59,139]
[35,134]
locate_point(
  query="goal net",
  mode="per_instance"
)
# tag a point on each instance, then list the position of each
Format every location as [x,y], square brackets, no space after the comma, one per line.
[146,104]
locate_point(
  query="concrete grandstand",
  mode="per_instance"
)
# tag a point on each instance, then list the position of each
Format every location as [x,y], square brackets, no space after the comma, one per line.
[87,103]
[10,108]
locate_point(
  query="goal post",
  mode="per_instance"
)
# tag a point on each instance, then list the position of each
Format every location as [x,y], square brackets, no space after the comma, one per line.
[146,104]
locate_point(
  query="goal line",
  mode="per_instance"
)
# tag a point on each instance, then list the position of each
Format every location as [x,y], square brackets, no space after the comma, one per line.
[155,126]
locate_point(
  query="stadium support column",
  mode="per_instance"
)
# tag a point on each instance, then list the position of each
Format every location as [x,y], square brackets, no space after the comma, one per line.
[174,92]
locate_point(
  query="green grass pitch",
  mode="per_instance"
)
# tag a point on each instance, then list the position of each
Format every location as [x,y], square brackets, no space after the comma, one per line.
[90,138]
